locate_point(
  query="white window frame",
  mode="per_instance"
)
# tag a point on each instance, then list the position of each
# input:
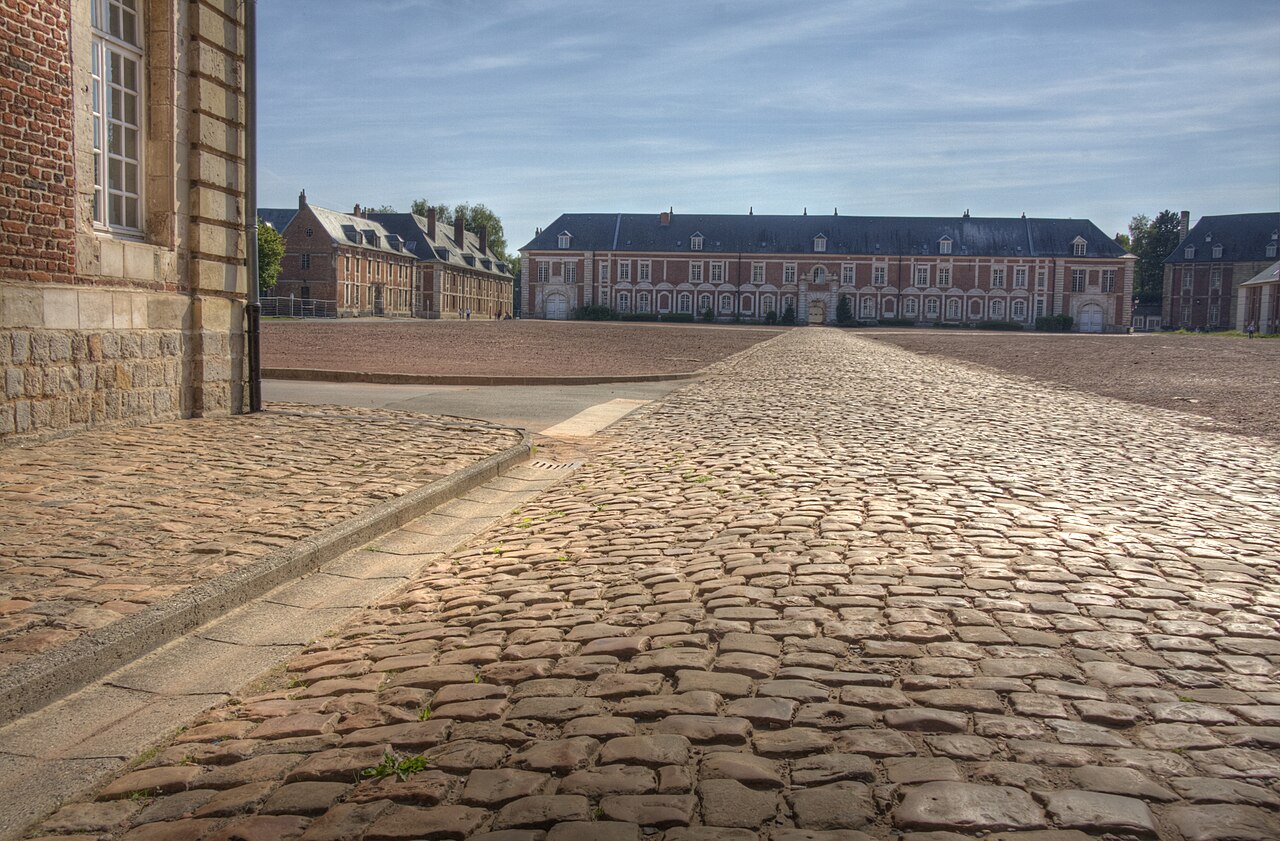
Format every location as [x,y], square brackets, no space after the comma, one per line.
[544,272]
[998,277]
[645,272]
[931,308]
[1020,277]
[717,271]
[1078,247]
[1108,280]
[868,307]
[1217,250]
[1041,280]
[952,309]
[1189,252]
[757,273]
[624,271]
[847,274]
[604,272]
[1079,278]
[996,309]
[1188,279]
[570,272]
[820,244]
[563,240]
[1018,310]
[305,261]
[695,242]
[944,277]
[1215,278]
[788,272]
[879,275]
[107,46]
[944,245]
[922,276]
[911,308]
[695,271]
[1271,249]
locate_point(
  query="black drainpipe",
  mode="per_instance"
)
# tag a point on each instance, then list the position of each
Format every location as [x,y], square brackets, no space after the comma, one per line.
[253,308]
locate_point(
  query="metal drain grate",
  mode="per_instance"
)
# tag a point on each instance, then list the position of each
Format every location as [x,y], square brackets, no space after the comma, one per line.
[551,465]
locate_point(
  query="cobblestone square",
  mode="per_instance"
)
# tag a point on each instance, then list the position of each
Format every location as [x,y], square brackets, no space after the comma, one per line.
[832,591]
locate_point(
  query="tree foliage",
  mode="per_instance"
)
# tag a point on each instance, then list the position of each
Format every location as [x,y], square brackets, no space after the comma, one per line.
[1152,240]
[382,208]
[270,255]
[475,218]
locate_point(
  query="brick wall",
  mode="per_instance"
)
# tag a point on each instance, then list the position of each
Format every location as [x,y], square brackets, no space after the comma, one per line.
[36,173]
[96,327]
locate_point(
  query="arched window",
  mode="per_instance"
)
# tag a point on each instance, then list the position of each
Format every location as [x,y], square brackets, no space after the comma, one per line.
[819,275]
[642,302]
[624,302]
[748,305]
[686,302]
[931,308]
[910,307]
[997,309]
[726,303]
[664,302]
[766,303]
[953,308]
[704,303]
[868,307]
[1019,310]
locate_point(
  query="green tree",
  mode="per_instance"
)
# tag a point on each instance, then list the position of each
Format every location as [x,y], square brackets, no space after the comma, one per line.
[1152,240]
[382,208]
[475,218]
[270,255]
[844,311]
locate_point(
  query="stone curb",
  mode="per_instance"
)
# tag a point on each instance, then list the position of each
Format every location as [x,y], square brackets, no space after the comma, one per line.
[318,375]
[60,671]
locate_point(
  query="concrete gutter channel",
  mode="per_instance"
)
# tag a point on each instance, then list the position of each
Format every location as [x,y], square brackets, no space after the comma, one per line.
[60,671]
[319,375]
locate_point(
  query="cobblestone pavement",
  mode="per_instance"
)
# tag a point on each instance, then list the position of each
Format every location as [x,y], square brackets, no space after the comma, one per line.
[834,591]
[101,525]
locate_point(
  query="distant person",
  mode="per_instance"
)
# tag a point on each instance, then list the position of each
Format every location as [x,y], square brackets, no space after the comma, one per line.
[468,313]
[1251,329]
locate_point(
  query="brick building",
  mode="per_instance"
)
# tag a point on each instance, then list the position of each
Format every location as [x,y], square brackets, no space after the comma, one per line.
[395,264]
[344,259]
[122,238]
[1203,274]
[926,270]
[1259,301]
[457,270]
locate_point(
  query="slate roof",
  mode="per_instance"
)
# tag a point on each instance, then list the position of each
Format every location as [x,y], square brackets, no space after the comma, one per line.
[358,231]
[1243,237]
[277,217]
[847,235]
[1271,274]
[413,230]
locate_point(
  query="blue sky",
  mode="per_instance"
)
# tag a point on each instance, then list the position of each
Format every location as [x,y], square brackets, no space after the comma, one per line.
[887,107]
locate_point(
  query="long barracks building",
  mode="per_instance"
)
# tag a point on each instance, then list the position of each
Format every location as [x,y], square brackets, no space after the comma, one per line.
[927,270]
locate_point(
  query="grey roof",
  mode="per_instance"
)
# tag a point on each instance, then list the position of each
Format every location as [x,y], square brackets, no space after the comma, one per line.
[1271,274]
[861,235]
[357,231]
[413,230]
[1243,237]
[277,217]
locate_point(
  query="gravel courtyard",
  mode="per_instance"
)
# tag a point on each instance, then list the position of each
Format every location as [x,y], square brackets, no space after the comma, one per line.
[833,591]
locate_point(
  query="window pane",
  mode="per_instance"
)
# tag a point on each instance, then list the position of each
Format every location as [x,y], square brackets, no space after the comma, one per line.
[114,173]
[131,143]
[131,213]
[130,74]
[117,210]
[131,178]
[114,138]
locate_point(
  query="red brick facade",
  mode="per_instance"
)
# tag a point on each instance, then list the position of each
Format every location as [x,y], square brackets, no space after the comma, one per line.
[1093,287]
[37,171]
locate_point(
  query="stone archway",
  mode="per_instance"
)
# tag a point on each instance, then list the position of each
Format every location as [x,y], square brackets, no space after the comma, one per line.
[817,312]
[557,307]
[1089,319]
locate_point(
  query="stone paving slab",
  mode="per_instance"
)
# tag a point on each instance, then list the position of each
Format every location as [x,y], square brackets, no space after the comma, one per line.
[99,527]
[832,592]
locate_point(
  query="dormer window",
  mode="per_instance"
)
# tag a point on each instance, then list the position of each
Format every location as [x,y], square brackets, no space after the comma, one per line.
[1217,249]
[1078,246]
[820,243]
[944,245]
[695,242]
[1271,249]
[563,240]
[1189,252]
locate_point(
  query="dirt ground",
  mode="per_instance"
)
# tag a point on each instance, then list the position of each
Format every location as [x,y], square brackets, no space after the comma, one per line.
[502,348]
[1235,382]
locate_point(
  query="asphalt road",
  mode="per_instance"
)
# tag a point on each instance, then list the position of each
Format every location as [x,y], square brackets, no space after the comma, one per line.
[534,408]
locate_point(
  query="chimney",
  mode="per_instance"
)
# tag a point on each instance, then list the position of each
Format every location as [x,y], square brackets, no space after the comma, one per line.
[431,224]
[664,218]
[966,213]
[302,199]
[484,241]
[1184,224]
[835,211]
[1119,238]
[806,211]
[459,232]
[751,211]
[356,211]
